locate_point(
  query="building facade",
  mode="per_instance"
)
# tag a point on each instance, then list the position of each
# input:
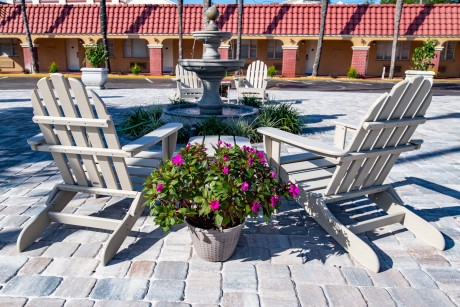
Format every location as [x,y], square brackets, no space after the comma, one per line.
[282,35]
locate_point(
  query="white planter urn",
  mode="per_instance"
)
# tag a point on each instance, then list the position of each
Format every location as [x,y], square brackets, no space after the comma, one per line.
[411,74]
[94,78]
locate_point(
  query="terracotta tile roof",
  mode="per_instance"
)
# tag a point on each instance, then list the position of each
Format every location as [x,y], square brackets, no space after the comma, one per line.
[418,20]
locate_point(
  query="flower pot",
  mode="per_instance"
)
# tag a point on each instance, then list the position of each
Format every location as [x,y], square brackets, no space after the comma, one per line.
[411,74]
[94,78]
[214,245]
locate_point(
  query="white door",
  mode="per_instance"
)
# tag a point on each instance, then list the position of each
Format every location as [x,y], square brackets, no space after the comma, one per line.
[168,55]
[310,56]
[73,62]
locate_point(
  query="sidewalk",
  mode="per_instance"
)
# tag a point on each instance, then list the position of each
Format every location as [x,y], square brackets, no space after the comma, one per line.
[290,261]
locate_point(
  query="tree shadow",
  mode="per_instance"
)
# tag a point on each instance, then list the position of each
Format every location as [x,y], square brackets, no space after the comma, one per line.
[355,19]
[273,25]
[227,15]
[418,21]
[63,13]
[141,19]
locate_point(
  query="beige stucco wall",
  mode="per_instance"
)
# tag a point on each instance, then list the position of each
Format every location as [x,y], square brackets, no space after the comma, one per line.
[49,50]
[16,61]
[452,68]
[335,58]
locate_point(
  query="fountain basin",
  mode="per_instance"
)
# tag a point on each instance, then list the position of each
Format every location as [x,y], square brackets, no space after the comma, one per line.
[210,66]
[189,114]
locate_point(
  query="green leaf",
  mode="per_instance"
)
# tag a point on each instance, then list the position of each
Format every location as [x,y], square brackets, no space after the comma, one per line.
[218,220]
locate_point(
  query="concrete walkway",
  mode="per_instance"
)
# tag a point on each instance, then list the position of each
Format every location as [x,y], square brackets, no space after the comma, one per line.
[290,261]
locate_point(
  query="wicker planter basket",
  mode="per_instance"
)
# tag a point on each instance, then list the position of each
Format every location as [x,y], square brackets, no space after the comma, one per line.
[213,245]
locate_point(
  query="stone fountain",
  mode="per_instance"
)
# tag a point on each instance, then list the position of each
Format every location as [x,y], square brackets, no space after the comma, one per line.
[211,70]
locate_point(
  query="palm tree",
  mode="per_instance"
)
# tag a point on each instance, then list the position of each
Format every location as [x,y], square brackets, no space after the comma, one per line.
[103,18]
[181,38]
[33,50]
[322,26]
[399,7]
[240,29]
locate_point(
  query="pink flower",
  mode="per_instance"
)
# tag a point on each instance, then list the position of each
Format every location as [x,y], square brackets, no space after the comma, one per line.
[178,160]
[214,204]
[273,174]
[294,190]
[189,145]
[251,161]
[225,158]
[255,207]
[245,186]
[225,170]
[260,155]
[219,143]
[228,144]
[160,187]
[274,199]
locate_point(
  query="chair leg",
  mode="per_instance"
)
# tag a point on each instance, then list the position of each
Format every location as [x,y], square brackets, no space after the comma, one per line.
[390,201]
[119,235]
[357,248]
[34,228]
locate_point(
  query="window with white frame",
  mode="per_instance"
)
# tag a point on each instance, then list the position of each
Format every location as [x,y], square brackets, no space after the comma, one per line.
[135,48]
[248,48]
[384,50]
[275,49]
[8,47]
[447,54]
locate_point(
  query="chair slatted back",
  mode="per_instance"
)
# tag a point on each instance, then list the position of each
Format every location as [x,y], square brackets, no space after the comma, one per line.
[256,74]
[189,79]
[81,138]
[389,125]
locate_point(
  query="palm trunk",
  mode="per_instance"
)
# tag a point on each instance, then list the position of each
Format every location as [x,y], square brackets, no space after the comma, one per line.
[206,5]
[240,29]
[322,26]
[181,38]
[33,50]
[399,6]
[103,17]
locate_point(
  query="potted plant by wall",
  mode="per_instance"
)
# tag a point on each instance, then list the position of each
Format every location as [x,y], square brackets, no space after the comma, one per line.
[421,61]
[96,76]
[214,196]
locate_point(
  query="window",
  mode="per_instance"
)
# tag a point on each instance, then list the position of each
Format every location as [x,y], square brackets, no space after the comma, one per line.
[447,54]
[384,50]
[135,48]
[8,47]
[275,49]
[248,48]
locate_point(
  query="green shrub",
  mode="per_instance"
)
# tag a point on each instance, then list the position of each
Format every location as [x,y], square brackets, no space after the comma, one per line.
[352,73]
[252,102]
[96,55]
[282,116]
[135,69]
[53,68]
[179,101]
[243,128]
[272,71]
[212,126]
[142,121]
[423,55]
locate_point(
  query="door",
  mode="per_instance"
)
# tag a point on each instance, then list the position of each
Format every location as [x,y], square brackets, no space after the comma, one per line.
[310,56]
[73,62]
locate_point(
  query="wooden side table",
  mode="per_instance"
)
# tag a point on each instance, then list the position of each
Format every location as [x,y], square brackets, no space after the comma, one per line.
[209,140]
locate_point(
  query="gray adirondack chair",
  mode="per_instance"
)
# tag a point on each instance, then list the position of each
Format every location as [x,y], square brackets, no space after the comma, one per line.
[328,174]
[189,86]
[82,139]
[255,82]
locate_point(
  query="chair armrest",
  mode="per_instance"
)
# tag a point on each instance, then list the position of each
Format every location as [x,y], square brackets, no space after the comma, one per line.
[417,142]
[302,142]
[348,126]
[341,131]
[151,138]
[36,140]
[175,79]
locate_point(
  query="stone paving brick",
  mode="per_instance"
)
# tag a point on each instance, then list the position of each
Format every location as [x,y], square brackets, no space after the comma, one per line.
[289,256]
[115,268]
[420,297]
[317,275]
[9,266]
[61,250]
[14,210]
[78,267]
[418,278]
[389,278]
[86,236]
[198,264]
[171,270]
[119,289]
[272,271]
[240,299]
[344,296]
[250,255]
[311,295]
[175,253]
[356,277]
[239,278]
[12,301]
[165,291]
[277,292]
[180,237]
[43,301]
[87,250]
[109,303]
[446,278]
[75,287]
[79,303]
[35,266]
[141,269]
[263,240]
[145,249]
[203,287]
[169,304]
[376,297]
[13,221]
[21,285]
[427,256]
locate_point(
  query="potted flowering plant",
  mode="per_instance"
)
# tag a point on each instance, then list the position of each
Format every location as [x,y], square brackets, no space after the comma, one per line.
[95,76]
[422,61]
[214,196]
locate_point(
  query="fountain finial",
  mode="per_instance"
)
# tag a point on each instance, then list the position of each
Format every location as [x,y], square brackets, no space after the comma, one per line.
[212,13]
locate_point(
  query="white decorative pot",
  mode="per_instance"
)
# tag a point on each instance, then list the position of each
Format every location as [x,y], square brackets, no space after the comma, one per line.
[411,74]
[94,78]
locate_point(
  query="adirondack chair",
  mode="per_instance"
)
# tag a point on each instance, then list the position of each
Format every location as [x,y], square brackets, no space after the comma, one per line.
[328,174]
[82,139]
[189,86]
[255,83]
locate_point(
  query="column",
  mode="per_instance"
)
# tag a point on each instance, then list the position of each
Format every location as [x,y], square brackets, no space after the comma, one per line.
[156,59]
[27,52]
[223,51]
[289,61]
[437,58]
[359,59]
